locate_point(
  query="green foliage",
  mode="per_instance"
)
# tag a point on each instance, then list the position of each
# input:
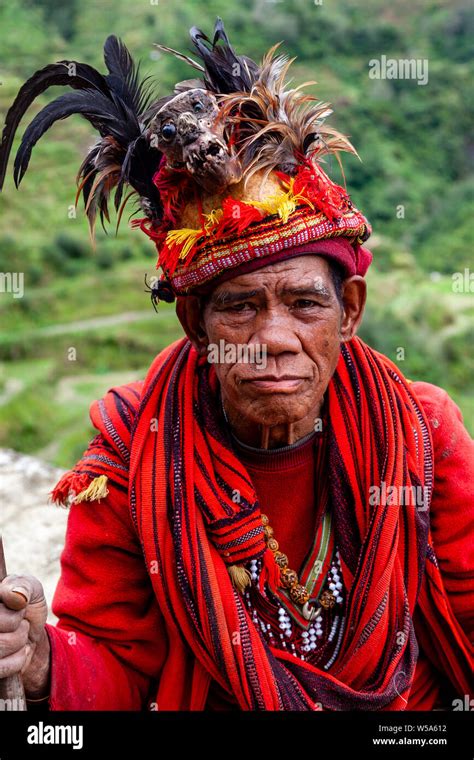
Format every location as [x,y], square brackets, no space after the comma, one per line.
[26,40]
[62,16]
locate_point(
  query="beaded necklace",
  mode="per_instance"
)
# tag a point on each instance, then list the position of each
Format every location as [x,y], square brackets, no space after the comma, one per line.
[319,642]
[299,594]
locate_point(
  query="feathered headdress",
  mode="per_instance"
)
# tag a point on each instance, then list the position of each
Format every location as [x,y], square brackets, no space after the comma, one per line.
[226,169]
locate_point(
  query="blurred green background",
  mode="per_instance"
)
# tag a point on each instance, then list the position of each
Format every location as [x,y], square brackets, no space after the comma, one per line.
[416,147]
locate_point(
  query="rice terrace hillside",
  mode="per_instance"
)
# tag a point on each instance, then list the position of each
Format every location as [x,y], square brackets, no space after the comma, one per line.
[84,322]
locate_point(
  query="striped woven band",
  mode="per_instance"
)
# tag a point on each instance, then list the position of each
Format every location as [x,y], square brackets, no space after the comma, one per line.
[264,239]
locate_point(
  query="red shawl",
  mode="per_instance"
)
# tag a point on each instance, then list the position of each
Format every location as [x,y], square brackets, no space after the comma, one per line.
[183,479]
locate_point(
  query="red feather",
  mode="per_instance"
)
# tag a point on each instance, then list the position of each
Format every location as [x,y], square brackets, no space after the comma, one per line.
[236,217]
[312,182]
[173,186]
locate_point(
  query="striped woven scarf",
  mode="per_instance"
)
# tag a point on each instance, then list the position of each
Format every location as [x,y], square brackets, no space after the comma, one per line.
[184,478]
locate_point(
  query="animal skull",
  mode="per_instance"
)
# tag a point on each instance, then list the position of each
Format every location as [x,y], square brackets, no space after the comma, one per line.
[188,132]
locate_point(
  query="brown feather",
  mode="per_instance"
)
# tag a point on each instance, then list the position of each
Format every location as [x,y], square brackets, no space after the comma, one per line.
[103,164]
[122,208]
[274,126]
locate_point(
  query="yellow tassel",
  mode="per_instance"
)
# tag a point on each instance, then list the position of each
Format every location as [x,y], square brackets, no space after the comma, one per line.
[284,204]
[277,204]
[97,489]
[186,237]
[213,219]
[240,577]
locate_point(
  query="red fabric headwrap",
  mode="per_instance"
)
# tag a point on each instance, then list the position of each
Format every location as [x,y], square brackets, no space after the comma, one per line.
[352,258]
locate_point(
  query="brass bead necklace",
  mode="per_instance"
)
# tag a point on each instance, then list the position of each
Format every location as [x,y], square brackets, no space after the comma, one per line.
[299,594]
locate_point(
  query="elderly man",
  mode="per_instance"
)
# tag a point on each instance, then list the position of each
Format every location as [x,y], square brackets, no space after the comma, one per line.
[279,533]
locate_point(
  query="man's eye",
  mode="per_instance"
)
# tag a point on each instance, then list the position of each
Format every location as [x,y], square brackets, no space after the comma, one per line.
[304,303]
[240,307]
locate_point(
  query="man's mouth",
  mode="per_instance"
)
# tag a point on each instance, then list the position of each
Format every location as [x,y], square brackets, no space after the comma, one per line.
[276,383]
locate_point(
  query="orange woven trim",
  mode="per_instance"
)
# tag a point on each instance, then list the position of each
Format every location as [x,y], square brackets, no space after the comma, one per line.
[264,239]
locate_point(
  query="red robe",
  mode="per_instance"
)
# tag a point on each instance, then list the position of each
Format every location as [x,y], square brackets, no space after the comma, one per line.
[110,643]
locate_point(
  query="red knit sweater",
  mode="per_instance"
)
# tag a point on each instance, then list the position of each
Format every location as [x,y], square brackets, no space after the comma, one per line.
[110,643]
[284,480]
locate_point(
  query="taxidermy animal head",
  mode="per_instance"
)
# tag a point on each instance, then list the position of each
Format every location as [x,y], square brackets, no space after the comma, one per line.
[188,131]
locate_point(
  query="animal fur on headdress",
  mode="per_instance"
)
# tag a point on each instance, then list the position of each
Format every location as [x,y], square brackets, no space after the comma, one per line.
[235,119]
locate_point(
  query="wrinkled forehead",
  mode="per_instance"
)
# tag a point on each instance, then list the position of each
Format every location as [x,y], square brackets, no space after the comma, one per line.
[308,268]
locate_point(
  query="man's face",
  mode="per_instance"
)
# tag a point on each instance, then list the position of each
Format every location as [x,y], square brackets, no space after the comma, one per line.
[291,312]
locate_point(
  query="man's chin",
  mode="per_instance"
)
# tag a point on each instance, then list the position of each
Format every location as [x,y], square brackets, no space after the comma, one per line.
[274,410]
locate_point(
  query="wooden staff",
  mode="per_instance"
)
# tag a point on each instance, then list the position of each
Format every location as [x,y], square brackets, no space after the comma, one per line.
[12,693]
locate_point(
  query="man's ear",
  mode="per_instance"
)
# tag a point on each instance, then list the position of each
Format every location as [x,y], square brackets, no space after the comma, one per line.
[189,311]
[354,294]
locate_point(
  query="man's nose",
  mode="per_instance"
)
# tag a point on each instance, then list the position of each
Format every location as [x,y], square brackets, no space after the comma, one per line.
[276,335]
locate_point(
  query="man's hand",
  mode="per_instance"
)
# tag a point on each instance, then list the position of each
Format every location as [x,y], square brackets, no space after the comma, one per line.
[24,643]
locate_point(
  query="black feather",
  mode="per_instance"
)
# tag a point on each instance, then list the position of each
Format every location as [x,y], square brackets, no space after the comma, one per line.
[55,74]
[107,115]
[124,77]
[225,72]
[118,105]
[138,168]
